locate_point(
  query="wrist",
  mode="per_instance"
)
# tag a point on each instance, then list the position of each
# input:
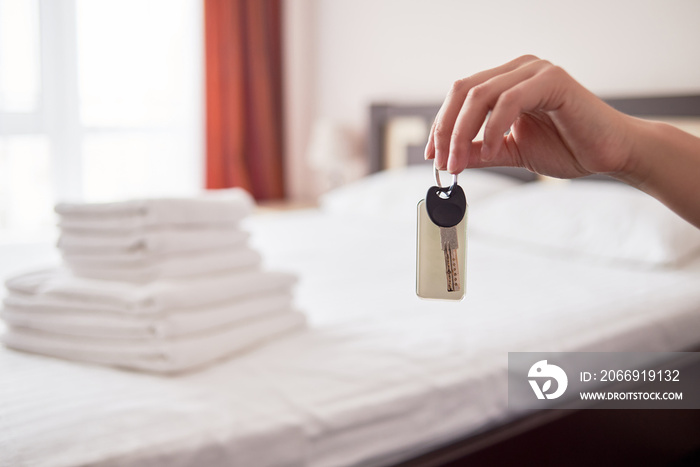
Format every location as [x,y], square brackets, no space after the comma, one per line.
[664,162]
[642,137]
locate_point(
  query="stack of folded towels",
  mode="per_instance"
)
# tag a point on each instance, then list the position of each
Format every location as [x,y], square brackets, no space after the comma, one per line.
[161,285]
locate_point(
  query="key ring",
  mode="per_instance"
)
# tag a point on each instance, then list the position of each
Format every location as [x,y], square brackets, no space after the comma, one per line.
[437,180]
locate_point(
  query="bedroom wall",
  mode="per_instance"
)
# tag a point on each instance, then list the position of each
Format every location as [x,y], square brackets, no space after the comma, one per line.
[359,51]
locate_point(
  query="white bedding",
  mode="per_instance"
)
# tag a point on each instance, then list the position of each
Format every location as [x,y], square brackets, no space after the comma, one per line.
[380,376]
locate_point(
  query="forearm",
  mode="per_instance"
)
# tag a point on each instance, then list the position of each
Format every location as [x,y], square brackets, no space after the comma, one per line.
[665,163]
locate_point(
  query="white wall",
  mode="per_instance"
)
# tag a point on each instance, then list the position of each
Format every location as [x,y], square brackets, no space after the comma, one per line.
[412,50]
[299,64]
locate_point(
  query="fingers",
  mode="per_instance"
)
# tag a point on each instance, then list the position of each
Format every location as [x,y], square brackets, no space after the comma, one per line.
[541,91]
[438,146]
[504,157]
[480,99]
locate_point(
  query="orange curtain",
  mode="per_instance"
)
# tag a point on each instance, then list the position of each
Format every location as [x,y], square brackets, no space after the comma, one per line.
[243,96]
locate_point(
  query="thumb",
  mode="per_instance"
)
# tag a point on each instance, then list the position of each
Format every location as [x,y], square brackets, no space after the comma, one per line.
[480,157]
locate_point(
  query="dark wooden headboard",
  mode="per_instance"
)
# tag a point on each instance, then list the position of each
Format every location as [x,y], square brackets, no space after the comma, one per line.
[382,113]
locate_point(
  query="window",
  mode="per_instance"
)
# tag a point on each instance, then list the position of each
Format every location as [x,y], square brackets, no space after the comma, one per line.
[99,100]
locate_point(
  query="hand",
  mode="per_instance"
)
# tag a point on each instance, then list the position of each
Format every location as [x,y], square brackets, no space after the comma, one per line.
[557,127]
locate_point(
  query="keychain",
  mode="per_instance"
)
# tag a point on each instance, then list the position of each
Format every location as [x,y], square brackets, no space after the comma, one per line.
[441,242]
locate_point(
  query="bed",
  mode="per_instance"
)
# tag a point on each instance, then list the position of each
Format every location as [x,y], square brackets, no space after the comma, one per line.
[382,377]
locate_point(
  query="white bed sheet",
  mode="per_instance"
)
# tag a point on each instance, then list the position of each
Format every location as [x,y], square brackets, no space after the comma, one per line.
[380,376]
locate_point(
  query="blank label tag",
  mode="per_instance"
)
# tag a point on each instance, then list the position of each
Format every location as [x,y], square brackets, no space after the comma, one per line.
[431,277]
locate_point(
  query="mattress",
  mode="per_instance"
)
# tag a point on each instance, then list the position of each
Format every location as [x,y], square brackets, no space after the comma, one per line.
[380,376]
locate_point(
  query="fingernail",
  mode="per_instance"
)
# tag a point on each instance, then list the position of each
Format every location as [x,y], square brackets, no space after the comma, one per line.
[451,162]
[438,160]
[451,167]
[485,153]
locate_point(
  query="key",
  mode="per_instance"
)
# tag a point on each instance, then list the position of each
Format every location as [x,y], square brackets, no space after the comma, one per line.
[449,244]
[441,242]
[431,275]
[446,209]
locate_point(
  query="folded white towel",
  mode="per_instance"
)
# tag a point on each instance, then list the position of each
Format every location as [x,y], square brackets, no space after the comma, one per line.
[146,267]
[224,207]
[169,240]
[154,297]
[158,355]
[60,317]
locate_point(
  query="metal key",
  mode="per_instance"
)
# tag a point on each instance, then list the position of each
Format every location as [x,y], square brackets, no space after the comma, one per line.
[441,226]
[449,243]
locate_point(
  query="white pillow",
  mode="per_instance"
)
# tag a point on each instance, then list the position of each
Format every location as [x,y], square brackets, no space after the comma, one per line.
[592,219]
[394,194]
